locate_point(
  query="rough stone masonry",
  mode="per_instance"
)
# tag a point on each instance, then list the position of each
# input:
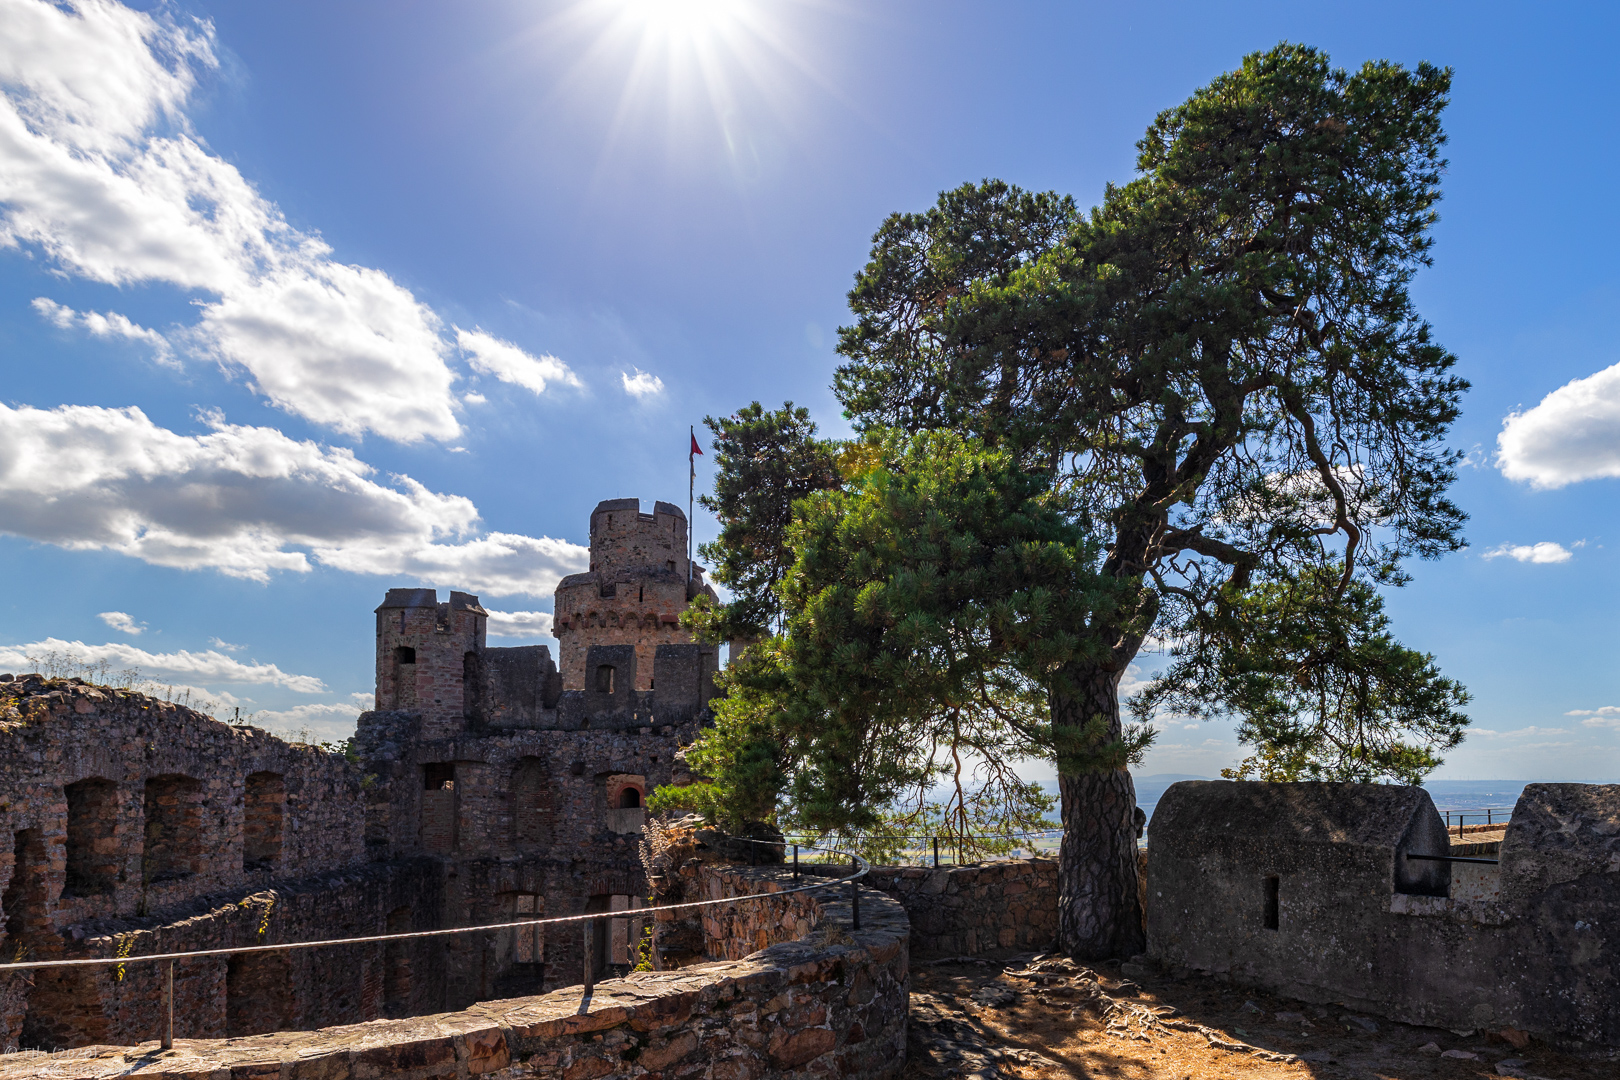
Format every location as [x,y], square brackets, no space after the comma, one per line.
[486,785]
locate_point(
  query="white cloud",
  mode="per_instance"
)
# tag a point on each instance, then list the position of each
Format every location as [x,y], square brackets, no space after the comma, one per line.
[227,646]
[1605,716]
[1544,552]
[641,384]
[110,325]
[121,622]
[208,665]
[248,501]
[317,722]
[510,364]
[1572,435]
[100,172]
[502,564]
[519,624]
[1517,733]
[343,346]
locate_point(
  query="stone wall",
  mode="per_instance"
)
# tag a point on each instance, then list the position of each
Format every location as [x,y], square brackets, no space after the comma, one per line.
[121,813]
[253,992]
[633,594]
[532,816]
[964,910]
[1303,889]
[832,1003]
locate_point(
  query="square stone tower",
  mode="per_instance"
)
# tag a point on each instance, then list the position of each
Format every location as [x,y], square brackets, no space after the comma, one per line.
[430,657]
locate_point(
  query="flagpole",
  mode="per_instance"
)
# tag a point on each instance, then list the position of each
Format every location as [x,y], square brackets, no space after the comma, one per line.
[691,485]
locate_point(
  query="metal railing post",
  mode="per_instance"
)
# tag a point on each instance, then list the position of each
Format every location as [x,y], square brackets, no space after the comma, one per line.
[795,862]
[168,1002]
[590,954]
[936,853]
[855,893]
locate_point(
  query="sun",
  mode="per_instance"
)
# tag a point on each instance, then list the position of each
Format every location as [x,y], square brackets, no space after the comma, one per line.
[676,20]
[707,80]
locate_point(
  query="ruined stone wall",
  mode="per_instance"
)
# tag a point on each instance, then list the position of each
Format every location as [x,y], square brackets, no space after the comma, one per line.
[252,993]
[964,910]
[831,1004]
[119,812]
[529,814]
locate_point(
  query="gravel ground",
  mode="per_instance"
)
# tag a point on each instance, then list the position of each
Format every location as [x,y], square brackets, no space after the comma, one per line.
[1016,1017]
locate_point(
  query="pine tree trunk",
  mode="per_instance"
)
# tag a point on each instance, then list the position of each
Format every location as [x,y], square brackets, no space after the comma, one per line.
[1099,911]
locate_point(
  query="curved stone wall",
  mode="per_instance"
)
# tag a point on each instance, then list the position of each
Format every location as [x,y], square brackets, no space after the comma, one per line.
[821,999]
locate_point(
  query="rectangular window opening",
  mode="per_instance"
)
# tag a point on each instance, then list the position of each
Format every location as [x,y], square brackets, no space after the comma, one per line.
[92,850]
[1273,901]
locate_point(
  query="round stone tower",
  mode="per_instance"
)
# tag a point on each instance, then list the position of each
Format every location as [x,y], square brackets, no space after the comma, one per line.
[634,592]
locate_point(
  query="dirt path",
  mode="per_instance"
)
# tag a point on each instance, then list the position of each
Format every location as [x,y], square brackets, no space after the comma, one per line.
[1014,1018]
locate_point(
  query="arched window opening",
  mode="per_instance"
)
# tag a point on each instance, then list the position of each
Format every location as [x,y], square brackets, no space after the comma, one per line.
[533,811]
[174,841]
[258,993]
[92,848]
[264,803]
[629,798]
[404,677]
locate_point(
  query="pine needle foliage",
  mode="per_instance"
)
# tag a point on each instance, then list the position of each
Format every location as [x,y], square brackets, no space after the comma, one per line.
[930,602]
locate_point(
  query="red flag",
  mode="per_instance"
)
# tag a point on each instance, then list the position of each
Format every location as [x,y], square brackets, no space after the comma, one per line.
[696,449]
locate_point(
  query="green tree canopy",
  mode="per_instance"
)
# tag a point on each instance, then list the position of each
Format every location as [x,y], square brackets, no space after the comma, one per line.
[929,603]
[765,462]
[1222,371]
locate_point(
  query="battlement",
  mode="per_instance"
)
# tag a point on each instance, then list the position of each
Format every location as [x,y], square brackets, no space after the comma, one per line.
[430,656]
[625,539]
[638,584]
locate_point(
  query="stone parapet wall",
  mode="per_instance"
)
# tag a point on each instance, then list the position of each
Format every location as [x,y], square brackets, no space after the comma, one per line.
[1299,889]
[119,812]
[830,1004]
[251,993]
[964,910]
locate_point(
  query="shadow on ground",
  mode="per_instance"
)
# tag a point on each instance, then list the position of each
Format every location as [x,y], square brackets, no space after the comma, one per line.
[1020,1017]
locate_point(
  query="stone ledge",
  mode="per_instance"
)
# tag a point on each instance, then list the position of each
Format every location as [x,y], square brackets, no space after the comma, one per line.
[1477,912]
[834,1002]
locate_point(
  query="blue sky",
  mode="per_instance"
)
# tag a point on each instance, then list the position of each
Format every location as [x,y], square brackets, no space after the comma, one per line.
[301,301]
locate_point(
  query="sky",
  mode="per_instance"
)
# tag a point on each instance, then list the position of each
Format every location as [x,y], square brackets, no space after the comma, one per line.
[303,301]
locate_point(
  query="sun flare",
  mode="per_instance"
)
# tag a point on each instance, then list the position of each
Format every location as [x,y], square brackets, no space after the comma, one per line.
[676,19]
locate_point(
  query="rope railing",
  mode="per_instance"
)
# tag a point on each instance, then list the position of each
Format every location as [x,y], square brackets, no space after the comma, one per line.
[589,920]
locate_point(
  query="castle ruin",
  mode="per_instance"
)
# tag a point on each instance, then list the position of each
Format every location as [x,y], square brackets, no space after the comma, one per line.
[487,784]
